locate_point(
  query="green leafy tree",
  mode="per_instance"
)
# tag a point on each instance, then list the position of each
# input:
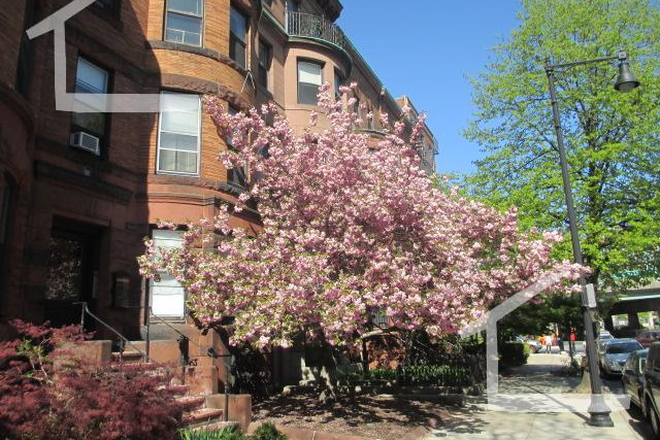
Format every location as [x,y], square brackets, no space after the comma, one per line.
[539,319]
[613,139]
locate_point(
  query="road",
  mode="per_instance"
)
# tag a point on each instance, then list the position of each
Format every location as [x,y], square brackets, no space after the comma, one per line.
[545,379]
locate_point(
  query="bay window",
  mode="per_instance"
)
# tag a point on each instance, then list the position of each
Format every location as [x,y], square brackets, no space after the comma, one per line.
[179,134]
[310,78]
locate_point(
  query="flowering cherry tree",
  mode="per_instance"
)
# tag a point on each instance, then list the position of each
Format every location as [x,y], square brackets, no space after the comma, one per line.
[348,230]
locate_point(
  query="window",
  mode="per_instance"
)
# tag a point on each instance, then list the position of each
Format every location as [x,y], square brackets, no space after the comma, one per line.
[370,120]
[178,135]
[237,37]
[292,6]
[356,107]
[167,295]
[338,83]
[310,78]
[265,59]
[236,176]
[183,21]
[90,79]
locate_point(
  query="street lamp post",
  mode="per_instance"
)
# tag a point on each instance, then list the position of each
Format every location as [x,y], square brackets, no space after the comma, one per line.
[598,410]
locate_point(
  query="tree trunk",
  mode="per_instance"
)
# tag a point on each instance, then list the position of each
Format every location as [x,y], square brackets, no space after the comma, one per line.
[326,374]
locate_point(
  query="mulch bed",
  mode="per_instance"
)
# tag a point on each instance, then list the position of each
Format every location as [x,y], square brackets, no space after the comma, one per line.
[371,417]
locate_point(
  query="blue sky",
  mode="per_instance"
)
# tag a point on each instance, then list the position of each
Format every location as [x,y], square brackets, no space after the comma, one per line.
[424,49]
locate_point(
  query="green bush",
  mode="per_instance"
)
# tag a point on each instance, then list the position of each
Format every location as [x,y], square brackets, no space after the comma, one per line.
[231,433]
[267,431]
[514,353]
[445,375]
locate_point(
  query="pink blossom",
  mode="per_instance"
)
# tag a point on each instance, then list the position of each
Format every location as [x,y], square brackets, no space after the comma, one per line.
[346,231]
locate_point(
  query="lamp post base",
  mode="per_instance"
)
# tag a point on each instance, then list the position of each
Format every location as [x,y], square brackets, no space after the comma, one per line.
[599,413]
[602,420]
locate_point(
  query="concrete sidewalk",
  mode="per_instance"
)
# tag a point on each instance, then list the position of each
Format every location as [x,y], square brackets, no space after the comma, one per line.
[476,423]
[541,381]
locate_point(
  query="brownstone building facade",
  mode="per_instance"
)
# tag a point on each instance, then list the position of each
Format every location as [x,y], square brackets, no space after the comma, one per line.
[80,191]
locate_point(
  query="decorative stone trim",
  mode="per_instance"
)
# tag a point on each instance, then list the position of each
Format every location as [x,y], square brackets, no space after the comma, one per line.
[193,84]
[122,195]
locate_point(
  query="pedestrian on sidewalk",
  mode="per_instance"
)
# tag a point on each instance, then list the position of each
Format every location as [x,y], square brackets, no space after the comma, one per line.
[548,343]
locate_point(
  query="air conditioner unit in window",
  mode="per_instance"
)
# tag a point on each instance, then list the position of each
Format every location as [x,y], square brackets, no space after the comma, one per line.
[86,142]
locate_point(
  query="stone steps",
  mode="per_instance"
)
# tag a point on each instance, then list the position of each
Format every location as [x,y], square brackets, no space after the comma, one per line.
[202,417]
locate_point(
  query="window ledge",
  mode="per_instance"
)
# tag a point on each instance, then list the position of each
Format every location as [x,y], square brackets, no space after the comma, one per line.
[209,53]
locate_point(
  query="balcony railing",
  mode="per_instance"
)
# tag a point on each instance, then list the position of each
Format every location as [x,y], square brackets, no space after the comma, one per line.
[302,24]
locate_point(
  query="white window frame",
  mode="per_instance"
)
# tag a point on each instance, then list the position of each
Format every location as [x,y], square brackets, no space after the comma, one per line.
[185,14]
[199,139]
[321,66]
[153,284]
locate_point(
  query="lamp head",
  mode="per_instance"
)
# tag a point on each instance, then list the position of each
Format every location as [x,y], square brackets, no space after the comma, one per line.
[626,81]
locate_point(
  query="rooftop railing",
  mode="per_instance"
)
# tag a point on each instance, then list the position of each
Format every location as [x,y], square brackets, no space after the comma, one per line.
[302,24]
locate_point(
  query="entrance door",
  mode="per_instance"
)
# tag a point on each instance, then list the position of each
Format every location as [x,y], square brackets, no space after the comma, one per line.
[73,272]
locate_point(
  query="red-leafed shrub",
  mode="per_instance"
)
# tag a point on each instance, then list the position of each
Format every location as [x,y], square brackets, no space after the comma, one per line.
[49,394]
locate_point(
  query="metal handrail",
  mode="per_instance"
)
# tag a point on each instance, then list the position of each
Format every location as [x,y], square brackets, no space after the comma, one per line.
[210,352]
[310,25]
[123,338]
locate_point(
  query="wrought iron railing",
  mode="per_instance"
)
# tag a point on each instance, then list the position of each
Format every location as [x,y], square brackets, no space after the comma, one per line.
[309,25]
[123,340]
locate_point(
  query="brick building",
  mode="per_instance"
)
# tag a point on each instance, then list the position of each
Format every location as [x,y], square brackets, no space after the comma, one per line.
[80,191]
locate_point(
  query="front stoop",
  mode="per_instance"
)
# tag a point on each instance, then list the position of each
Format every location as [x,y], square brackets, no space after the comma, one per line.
[201,380]
[203,406]
[240,407]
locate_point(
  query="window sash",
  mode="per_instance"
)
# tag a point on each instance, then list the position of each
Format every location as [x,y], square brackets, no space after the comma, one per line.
[198,12]
[310,78]
[265,57]
[174,31]
[174,156]
[338,82]
[238,25]
[237,176]
[237,50]
[167,297]
[85,81]
[90,79]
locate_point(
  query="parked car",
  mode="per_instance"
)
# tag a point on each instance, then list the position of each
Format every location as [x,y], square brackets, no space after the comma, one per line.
[602,345]
[652,388]
[534,345]
[648,337]
[616,354]
[633,376]
[604,335]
